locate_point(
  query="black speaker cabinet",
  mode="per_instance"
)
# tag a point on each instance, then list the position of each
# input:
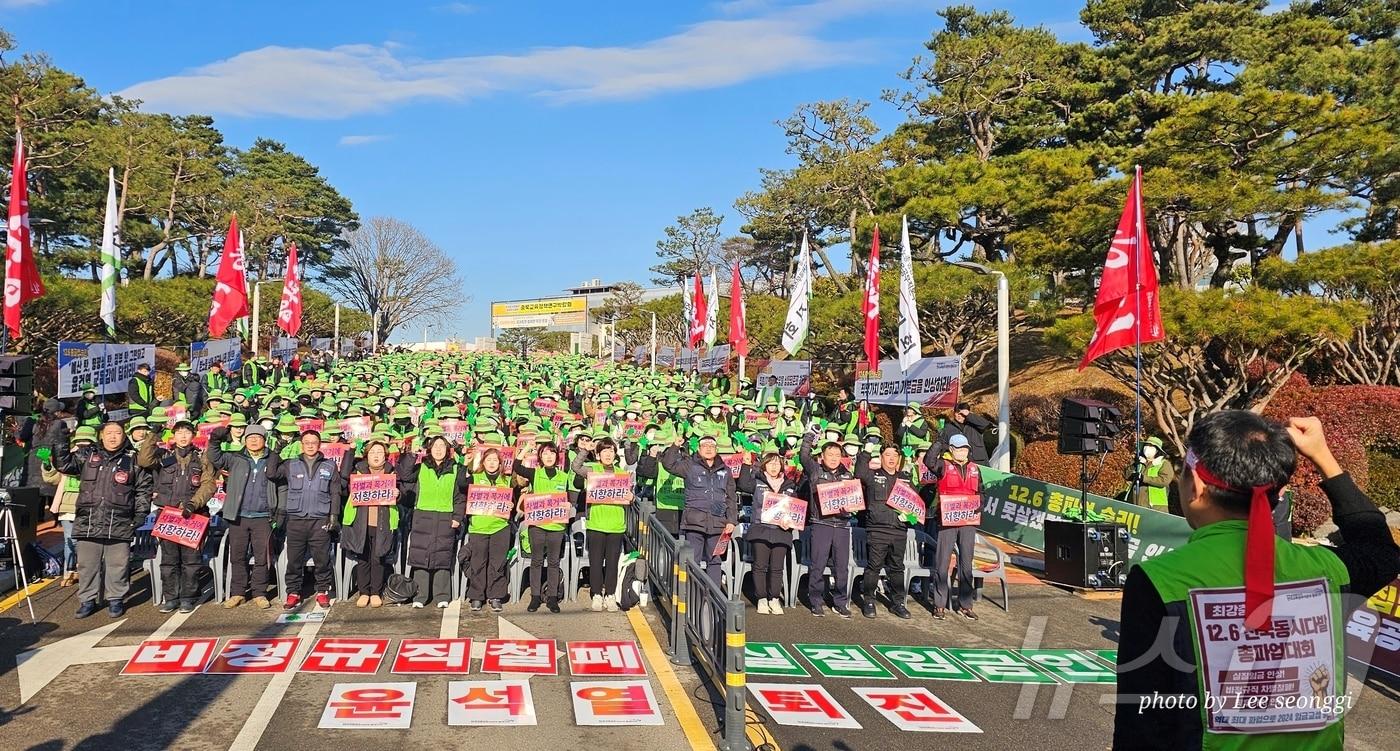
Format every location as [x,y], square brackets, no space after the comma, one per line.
[1088,556]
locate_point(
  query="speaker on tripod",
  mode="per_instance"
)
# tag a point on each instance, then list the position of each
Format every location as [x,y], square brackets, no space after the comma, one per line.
[1087,427]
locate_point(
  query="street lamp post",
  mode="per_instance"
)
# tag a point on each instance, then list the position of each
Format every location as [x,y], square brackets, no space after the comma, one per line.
[1001,457]
[257,309]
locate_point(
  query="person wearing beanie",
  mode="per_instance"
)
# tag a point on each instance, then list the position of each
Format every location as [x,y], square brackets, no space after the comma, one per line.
[367,533]
[435,487]
[1238,607]
[183,480]
[252,509]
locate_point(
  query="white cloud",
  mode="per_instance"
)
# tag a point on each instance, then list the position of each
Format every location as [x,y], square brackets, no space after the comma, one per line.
[11,4]
[360,78]
[360,140]
[461,9]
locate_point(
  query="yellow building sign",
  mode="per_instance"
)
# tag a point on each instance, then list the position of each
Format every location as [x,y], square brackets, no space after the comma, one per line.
[550,306]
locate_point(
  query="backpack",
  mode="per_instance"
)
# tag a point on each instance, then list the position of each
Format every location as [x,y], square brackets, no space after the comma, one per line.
[53,567]
[634,584]
[399,589]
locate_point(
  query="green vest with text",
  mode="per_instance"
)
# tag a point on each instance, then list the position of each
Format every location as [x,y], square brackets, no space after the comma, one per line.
[559,483]
[488,525]
[603,517]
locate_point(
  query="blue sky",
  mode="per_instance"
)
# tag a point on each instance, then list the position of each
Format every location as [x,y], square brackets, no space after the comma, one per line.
[539,143]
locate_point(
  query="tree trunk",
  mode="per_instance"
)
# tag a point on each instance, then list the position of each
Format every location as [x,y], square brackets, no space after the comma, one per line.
[855,262]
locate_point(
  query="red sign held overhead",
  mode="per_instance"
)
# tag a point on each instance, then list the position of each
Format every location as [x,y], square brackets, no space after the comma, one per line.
[529,656]
[419,656]
[171,657]
[254,656]
[605,658]
[333,654]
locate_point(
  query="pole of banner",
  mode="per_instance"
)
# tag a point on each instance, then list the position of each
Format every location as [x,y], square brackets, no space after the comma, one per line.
[653,344]
[1003,459]
[1138,232]
[335,337]
[257,307]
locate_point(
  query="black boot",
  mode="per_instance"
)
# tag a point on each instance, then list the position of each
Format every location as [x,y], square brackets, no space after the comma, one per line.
[535,603]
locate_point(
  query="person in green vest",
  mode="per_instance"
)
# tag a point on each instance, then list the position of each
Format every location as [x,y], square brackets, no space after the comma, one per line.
[669,489]
[546,540]
[1150,475]
[367,534]
[140,392]
[488,540]
[606,523]
[435,487]
[1236,640]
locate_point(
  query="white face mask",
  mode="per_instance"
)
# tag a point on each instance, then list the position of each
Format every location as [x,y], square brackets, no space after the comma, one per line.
[852,450]
[1149,452]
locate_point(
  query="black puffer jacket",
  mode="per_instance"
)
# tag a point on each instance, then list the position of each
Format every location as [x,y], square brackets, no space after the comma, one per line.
[877,484]
[432,540]
[815,475]
[114,493]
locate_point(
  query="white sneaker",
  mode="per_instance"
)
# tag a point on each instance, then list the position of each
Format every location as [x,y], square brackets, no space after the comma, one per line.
[418,604]
[763,608]
[597,603]
[442,604]
[610,604]
[775,607]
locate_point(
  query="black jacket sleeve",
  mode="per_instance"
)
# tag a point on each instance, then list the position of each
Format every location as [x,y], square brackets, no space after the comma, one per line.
[1142,670]
[646,467]
[747,481]
[1367,549]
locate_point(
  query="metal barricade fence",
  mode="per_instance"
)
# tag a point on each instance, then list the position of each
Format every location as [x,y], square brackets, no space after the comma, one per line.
[713,625]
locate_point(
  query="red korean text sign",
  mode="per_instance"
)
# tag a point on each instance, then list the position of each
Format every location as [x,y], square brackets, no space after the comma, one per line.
[905,499]
[433,656]
[254,656]
[454,429]
[960,509]
[601,658]
[783,511]
[613,489]
[734,462]
[490,500]
[843,496]
[528,656]
[345,655]
[173,526]
[373,490]
[171,657]
[546,508]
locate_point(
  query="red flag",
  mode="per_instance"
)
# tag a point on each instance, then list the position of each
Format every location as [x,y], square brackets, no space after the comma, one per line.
[230,292]
[697,324]
[22,282]
[870,307]
[289,312]
[738,323]
[1125,313]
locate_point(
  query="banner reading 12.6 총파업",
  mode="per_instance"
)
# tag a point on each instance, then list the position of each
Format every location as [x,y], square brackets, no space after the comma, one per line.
[105,368]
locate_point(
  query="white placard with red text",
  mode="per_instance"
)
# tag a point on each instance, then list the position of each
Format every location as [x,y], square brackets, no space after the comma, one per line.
[365,706]
[916,709]
[614,703]
[498,703]
[433,656]
[171,657]
[600,658]
[802,705]
[254,656]
[528,656]
[336,654]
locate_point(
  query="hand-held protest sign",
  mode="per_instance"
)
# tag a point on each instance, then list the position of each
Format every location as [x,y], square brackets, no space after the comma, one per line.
[490,500]
[454,429]
[844,496]
[734,462]
[356,427]
[904,499]
[614,489]
[722,544]
[546,508]
[960,509]
[335,452]
[173,526]
[779,508]
[373,490]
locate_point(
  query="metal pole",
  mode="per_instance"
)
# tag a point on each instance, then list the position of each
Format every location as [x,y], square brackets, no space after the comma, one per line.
[653,344]
[735,688]
[257,307]
[335,336]
[1001,458]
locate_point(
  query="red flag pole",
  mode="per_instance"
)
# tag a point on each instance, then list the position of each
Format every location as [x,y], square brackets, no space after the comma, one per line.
[1139,232]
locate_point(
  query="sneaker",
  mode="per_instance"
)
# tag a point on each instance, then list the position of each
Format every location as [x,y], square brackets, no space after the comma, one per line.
[940,613]
[775,606]
[968,614]
[420,604]
[237,600]
[291,602]
[610,604]
[166,607]
[842,611]
[442,604]
[597,603]
[477,605]
[901,611]
[817,611]
[534,605]
[496,606]
[553,606]
[362,601]
[763,608]
[187,606]
[115,608]
[262,603]
[375,601]
[323,599]
[86,609]
[867,609]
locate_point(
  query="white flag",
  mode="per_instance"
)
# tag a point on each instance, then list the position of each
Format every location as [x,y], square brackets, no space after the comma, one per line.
[712,312]
[688,305]
[245,323]
[111,257]
[910,345]
[799,299]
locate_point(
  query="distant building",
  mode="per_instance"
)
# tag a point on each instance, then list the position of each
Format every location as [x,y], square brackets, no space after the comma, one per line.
[570,313]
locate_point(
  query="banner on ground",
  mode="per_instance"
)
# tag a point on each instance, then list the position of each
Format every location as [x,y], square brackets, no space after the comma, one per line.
[932,382]
[228,352]
[1015,508]
[284,347]
[107,368]
[794,377]
[716,360]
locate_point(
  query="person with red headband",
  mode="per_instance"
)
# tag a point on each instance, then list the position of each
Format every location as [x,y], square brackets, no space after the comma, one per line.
[1237,638]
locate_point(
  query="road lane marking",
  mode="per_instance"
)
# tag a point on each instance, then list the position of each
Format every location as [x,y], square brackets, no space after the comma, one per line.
[695,731]
[261,716]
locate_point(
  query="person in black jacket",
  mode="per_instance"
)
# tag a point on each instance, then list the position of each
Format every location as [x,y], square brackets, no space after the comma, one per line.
[183,479]
[251,502]
[112,494]
[771,543]
[367,532]
[711,501]
[885,529]
[970,426]
[314,493]
[436,489]
[51,432]
[829,534]
[141,392]
[188,389]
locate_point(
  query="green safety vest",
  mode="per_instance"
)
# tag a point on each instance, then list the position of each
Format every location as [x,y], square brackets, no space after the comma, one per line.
[603,517]
[557,484]
[144,390]
[435,491]
[488,525]
[670,490]
[348,516]
[1212,560]
[1156,496]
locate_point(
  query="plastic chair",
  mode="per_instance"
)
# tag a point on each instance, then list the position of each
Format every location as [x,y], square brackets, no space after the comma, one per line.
[918,548]
[989,562]
[739,562]
[802,562]
[576,553]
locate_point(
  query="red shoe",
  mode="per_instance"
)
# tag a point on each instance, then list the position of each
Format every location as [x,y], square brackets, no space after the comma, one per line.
[323,599]
[291,602]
